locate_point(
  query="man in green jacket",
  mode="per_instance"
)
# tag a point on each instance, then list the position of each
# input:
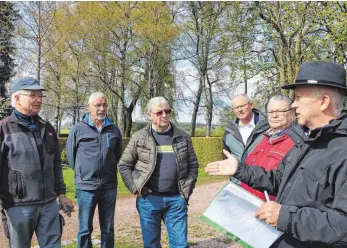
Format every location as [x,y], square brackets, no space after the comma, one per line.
[159,165]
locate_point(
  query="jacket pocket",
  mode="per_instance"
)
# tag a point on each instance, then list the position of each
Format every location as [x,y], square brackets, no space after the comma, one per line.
[273,158]
[144,154]
[50,142]
[311,187]
[16,186]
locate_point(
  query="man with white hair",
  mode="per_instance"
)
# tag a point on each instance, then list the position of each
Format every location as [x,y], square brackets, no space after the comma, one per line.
[31,175]
[311,181]
[159,165]
[94,147]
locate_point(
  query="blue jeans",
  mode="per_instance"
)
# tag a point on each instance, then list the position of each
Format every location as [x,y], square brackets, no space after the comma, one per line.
[87,201]
[172,210]
[43,219]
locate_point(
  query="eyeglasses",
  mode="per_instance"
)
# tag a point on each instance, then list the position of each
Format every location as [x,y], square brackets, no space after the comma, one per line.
[279,112]
[240,107]
[33,96]
[161,112]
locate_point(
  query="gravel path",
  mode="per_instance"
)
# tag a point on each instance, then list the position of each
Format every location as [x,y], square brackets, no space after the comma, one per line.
[127,225]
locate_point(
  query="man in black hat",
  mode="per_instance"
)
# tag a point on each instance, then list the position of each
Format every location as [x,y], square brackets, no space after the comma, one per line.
[311,182]
[31,175]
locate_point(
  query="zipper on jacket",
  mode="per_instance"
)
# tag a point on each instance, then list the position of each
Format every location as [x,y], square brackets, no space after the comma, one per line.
[42,165]
[178,178]
[100,151]
[154,164]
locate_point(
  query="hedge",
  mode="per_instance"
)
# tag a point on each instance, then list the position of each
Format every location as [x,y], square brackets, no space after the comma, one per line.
[207,149]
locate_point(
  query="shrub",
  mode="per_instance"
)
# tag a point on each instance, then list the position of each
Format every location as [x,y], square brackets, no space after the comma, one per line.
[207,149]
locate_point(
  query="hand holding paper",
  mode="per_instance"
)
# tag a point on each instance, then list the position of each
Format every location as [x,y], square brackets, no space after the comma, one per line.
[226,167]
[232,212]
[269,212]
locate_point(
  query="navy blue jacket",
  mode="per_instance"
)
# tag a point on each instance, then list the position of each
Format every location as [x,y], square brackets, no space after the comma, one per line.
[94,155]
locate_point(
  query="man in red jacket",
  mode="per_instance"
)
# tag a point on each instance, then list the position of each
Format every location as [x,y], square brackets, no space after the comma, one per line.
[276,141]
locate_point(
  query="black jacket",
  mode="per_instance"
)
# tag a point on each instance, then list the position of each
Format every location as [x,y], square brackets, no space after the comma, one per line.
[24,178]
[311,186]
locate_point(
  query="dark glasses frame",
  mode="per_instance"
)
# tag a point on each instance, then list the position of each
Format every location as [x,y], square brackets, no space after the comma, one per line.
[161,112]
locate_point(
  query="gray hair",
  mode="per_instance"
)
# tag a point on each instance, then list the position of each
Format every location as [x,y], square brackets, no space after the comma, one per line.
[243,95]
[95,95]
[159,100]
[337,98]
[13,97]
[281,98]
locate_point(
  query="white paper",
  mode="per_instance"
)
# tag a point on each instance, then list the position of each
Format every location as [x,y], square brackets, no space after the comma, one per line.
[233,209]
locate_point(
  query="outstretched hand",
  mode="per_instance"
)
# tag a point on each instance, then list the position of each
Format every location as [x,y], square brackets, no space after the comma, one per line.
[226,167]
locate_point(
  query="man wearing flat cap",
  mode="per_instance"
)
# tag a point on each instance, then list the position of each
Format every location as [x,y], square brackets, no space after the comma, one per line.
[311,181]
[30,170]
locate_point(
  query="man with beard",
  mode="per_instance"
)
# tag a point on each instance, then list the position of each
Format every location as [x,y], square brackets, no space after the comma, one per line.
[94,147]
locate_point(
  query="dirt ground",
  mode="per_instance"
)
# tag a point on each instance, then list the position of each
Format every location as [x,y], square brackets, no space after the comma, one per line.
[127,225]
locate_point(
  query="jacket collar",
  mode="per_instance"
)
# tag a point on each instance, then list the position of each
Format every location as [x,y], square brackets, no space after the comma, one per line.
[13,118]
[257,116]
[176,131]
[336,126]
[86,119]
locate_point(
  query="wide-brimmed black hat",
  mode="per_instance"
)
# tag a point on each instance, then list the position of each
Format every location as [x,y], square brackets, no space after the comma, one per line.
[320,73]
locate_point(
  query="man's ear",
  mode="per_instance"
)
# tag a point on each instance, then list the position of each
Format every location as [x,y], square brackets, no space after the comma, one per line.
[325,102]
[16,97]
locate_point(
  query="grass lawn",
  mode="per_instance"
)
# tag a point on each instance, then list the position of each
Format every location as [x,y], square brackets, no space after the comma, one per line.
[122,190]
[65,130]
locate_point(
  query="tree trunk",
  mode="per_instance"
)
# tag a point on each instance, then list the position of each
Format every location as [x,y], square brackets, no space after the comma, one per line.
[196,108]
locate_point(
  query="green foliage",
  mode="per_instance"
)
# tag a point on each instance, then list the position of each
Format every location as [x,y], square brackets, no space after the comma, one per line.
[218,132]
[63,156]
[208,149]
[200,132]
[7,18]
[65,130]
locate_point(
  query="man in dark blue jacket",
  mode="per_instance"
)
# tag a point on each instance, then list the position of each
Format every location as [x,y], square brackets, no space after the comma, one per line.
[94,147]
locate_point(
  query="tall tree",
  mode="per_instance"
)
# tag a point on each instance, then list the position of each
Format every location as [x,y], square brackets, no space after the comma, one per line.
[35,27]
[332,17]
[202,44]
[7,17]
[287,25]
